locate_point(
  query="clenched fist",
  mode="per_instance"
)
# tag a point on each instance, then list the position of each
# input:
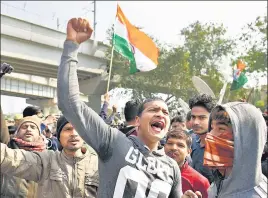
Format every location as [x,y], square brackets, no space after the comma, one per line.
[5,69]
[78,30]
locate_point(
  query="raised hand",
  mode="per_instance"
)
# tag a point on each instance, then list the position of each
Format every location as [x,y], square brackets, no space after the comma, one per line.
[78,30]
[107,97]
[114,109]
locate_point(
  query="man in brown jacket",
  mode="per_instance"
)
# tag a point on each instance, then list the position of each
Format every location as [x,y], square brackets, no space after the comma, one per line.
[27,137]
[73,172]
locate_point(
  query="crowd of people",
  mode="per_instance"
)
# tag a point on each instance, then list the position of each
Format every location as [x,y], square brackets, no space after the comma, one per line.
[211,151]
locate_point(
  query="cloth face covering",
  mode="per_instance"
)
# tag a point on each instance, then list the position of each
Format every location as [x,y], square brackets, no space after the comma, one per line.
[219,151]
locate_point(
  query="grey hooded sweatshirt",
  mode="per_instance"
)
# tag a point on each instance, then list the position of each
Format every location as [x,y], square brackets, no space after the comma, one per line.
[246,179]
[126,166]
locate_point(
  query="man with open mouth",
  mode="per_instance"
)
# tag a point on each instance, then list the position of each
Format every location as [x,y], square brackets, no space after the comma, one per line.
[71,172]
[128,166]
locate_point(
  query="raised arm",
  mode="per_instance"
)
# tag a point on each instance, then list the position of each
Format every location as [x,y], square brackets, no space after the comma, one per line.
[4,133]
[24,164]
[87,122]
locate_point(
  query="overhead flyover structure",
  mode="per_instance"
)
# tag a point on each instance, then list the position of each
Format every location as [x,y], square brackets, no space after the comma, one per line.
[39,91]
[35,50]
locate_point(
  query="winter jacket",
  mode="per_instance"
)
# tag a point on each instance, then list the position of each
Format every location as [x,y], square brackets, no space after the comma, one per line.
[193,180]
[24,188]
[246,179]
[56,174]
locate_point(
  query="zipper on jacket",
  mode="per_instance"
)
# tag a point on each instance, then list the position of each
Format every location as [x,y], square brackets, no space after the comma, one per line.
[218,179]
[219,189]
[73,177]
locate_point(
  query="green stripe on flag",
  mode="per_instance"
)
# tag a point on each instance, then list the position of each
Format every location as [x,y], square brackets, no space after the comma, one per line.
[237,84]
[123,47]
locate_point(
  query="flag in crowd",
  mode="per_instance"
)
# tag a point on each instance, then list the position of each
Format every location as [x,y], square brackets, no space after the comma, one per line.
[134,44]
[239,77]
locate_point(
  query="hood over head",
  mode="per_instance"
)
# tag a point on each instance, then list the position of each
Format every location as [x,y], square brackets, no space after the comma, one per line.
[250,134]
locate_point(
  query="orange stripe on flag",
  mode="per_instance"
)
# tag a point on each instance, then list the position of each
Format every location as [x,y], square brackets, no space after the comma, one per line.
[240,65]
[138,38]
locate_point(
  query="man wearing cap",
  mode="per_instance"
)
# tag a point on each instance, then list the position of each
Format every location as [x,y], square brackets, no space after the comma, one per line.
[72,172]
[27,137]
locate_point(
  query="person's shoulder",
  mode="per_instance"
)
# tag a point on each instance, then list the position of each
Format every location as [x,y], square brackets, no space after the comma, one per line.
[198,178]
[88,150]
[46,155]
[172,163]
[92,157]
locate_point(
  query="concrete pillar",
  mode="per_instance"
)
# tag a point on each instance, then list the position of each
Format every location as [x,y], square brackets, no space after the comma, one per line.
[94,102]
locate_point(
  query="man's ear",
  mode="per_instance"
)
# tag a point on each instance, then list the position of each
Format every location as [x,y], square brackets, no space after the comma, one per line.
[137,121]
[189,151]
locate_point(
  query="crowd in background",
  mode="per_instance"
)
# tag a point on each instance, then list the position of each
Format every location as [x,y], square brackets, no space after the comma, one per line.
[215,150]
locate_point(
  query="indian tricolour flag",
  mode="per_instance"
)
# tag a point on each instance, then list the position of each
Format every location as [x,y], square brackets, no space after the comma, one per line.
[134,44]
[239,77]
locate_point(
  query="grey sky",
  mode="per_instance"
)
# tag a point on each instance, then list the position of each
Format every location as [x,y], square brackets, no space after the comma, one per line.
[163,19]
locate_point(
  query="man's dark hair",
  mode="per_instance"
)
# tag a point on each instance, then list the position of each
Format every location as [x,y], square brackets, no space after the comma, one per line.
[31,110]
[202,100]
[131,110]
[220,114]
[188,116]
[180,118]
[11,129]
[180,134]
[142,105]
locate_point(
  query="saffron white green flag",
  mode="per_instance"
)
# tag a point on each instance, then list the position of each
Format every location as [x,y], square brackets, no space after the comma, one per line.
[134,44]
[239,77]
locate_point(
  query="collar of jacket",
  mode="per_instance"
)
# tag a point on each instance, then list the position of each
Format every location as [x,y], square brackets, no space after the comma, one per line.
[76,158]
[184,166]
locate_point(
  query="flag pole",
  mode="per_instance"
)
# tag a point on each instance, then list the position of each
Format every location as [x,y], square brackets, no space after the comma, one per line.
[222,92]
[110,69]
[112,55]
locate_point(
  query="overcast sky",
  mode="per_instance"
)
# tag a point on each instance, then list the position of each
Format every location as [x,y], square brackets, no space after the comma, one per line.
[163,19]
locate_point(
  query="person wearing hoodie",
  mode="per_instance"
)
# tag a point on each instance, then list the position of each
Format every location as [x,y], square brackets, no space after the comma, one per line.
[233,150]
[264,158]
[72,172]
[128,166]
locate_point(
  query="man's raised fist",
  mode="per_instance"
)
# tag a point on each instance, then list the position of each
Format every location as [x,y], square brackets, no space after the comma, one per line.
[5,69]
[78,30]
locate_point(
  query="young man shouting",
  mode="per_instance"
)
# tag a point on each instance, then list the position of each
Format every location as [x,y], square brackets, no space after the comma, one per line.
[128,167]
